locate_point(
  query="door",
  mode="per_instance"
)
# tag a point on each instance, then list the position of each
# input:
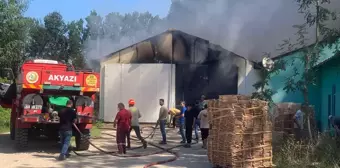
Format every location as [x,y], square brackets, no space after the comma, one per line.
[191,79]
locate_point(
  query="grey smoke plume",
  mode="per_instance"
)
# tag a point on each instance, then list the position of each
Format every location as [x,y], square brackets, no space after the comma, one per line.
[246,27]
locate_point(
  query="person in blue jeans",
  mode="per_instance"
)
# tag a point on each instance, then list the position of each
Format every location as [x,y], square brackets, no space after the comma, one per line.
[163,116]
[200,105]
[181,122]
[196,120]
[67,116]
[197,127]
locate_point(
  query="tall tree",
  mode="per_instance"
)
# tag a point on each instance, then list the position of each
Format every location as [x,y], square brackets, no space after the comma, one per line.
[107,34]
[57,41]
[39,40]
[93,33]
[303,78]
[75,42]
[94,26]
[48,39]
[112,26]
[14,29]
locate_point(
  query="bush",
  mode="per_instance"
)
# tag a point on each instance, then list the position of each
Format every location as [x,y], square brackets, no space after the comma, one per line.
[99,123]
[5,117]
[323,153]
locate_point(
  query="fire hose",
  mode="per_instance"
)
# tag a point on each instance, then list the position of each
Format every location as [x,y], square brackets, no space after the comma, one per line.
[115,153]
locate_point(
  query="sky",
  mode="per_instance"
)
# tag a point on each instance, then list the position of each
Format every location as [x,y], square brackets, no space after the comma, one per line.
[76,9]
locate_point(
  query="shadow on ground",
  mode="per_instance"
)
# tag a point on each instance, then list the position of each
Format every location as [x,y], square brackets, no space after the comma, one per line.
[42,145]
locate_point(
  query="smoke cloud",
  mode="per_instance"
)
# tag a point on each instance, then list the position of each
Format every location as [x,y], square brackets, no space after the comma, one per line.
[246,27]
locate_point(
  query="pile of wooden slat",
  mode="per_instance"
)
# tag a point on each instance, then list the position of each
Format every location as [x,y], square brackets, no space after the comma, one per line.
[283,120]
[283,114]
[240,132]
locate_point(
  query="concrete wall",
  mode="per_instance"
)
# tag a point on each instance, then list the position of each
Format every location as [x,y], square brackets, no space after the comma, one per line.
[247,76]
[329,80]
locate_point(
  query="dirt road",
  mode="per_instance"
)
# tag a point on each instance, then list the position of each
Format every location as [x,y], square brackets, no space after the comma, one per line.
[43,153]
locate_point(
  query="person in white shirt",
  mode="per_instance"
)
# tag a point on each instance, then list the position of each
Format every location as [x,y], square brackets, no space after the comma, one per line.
[298,124]
[204,125]
[135,123]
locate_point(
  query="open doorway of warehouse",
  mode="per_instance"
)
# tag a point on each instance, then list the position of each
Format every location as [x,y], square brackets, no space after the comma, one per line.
[209,79]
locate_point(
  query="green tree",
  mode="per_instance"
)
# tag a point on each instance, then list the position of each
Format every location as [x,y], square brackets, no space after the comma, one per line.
[93,33]
[75,43]
[112,25]
[263,92]
[56,47]
[94,26]
[114,31]
[48,40]
[14,29]
[330,35]
[301,79]
[39,40]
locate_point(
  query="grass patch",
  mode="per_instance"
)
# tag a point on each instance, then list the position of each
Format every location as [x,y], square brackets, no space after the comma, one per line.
[5,117]
[95,132]
[4,129]
[322,153]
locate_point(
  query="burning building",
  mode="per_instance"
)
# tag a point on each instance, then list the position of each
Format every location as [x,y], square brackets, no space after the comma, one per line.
[174,66]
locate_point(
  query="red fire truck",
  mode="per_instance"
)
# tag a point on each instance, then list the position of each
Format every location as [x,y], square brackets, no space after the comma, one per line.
[30,97]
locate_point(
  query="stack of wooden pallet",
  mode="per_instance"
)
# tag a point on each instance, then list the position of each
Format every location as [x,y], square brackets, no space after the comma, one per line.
[283,121]
[240,132]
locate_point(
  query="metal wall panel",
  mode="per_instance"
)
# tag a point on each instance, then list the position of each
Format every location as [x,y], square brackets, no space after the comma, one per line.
[112,90]
[146,83]
[147,102]
[102,92]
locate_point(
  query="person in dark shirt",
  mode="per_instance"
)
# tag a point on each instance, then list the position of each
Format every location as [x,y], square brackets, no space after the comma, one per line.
[190,115]
[67,117]
[335,121]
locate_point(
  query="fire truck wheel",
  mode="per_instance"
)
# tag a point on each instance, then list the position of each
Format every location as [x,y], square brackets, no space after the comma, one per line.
[21,138]
[12,131]
[82,143]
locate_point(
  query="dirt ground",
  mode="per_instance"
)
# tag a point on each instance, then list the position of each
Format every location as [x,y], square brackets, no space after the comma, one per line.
[43,153]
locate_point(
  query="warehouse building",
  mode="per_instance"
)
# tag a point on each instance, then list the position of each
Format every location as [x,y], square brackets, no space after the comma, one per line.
[174,66]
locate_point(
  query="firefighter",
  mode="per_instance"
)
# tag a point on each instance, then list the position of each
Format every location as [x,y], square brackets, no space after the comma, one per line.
[123,122]
[135,113]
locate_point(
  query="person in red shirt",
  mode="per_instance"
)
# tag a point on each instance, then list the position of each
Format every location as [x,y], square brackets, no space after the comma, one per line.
[123,122]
